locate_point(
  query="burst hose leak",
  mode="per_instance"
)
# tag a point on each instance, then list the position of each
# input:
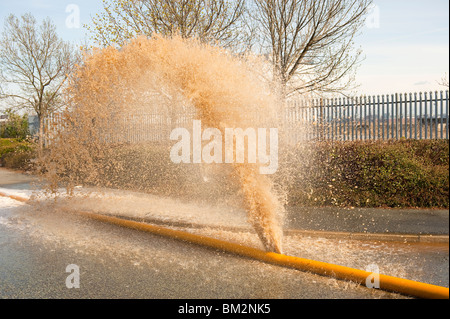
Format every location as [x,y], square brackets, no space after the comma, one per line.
[388,283]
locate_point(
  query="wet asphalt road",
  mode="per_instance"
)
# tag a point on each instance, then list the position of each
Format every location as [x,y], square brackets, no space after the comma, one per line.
[33,269]
[370,220]
[122,263]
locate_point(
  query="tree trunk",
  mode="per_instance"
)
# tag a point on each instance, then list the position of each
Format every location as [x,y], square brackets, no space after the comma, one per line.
[283,101]
[41,132]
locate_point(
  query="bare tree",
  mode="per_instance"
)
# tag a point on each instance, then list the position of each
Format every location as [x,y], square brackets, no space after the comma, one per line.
[34,66]
[208,20]
[310,42]
[444,81]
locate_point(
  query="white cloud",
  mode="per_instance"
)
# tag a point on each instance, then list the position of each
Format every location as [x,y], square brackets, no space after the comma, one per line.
[421,83]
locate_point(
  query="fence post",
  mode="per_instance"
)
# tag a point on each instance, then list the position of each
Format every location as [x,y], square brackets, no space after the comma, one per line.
[354,103]
[406,114]
[415,115]
[327,117]
[383,117]
[321,121]
[446,113]
[410,115]
[421,114]
[369,118]
[427,100]
[378,118]
[442,114]
[361,118]
[435,120]
[396,116]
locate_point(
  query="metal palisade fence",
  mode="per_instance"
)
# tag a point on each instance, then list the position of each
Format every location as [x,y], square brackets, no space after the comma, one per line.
[397,116]
[382,117]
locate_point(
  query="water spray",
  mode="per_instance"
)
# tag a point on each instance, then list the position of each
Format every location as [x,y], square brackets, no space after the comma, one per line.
[156,74]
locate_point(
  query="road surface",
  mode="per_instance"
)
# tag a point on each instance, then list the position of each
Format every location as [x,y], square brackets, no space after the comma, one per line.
[39,242]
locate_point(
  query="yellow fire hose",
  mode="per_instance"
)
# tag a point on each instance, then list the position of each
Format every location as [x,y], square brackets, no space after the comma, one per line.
[388,283]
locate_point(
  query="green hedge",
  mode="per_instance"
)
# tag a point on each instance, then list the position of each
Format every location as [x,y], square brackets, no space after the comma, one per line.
[16,153]
[15,127]
[406,173]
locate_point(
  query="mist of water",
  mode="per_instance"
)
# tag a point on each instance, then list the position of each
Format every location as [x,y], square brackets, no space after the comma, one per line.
[165,75]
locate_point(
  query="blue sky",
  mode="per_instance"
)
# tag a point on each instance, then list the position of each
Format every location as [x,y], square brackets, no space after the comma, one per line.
[405,42]
[408,50]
